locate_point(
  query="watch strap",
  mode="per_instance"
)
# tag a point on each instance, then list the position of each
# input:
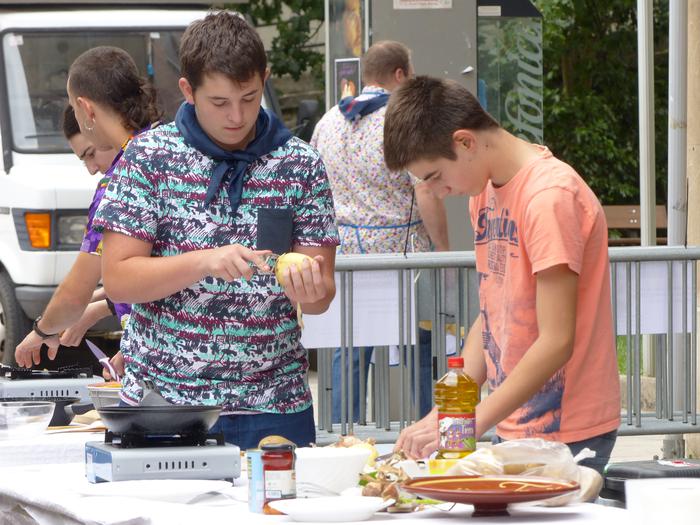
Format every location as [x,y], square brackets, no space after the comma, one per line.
[37,330]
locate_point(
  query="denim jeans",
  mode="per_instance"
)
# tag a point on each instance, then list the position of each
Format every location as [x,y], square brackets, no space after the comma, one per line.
[602,445]
[425,402]
[336,381]
[247,430]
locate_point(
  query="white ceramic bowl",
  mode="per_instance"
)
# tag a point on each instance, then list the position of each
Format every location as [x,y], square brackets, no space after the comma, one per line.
[20,419]
[324,471]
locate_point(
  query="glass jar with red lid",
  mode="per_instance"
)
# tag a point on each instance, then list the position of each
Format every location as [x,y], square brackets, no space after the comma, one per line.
[278,472]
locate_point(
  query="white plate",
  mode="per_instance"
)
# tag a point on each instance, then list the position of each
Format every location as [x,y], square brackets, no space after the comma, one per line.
[170,490]
[333,508]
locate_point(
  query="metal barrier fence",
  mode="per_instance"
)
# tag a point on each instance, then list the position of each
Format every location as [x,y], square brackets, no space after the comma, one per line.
[391,301]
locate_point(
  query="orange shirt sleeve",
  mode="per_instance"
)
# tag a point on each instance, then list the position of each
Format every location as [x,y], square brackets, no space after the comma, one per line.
[555,230]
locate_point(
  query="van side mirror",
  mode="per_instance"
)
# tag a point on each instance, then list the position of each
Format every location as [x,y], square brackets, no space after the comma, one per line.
[307,117]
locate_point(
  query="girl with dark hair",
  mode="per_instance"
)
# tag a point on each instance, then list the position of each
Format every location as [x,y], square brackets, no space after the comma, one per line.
[112,103]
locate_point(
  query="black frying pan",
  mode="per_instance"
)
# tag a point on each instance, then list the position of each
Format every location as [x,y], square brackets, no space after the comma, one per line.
[62,414]
[173,419]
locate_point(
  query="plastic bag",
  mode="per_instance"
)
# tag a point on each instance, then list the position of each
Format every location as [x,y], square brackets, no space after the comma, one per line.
[534,457]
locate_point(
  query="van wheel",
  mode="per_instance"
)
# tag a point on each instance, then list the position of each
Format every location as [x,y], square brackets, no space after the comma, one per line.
[14,324]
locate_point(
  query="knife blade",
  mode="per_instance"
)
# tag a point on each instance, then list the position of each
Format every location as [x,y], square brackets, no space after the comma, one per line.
[102,358]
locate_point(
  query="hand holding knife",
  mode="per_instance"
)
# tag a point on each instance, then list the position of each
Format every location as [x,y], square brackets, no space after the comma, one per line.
[102,358]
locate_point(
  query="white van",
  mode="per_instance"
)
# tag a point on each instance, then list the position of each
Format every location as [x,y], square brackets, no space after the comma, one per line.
[44,189]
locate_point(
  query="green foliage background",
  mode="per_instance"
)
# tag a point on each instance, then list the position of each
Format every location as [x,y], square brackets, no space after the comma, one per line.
[590,103]
[291,53]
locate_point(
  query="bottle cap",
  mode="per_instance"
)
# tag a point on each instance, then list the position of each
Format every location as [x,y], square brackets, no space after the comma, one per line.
[455,362]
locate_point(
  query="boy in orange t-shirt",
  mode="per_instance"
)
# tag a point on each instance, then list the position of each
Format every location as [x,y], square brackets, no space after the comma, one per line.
[544,339]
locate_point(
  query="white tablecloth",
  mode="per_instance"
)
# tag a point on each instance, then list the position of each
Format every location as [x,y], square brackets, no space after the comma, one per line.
[47,448]
[53,495]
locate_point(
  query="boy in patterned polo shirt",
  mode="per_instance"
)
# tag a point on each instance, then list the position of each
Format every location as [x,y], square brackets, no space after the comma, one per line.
[191,212]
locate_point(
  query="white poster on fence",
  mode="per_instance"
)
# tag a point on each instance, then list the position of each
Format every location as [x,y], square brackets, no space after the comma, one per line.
[654,297]
[375,314]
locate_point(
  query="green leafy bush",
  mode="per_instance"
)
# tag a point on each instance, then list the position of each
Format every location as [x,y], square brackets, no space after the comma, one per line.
[591,102]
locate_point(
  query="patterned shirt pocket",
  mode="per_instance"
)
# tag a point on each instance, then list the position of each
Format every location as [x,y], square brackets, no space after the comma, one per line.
[275,226]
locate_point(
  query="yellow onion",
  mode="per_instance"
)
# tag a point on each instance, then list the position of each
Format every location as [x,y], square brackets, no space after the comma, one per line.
[285,261]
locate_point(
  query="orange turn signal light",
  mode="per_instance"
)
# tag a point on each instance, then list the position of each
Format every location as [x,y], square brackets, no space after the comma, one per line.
[39,229]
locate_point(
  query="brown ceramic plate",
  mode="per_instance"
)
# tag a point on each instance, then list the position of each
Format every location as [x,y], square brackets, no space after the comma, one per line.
[490,495]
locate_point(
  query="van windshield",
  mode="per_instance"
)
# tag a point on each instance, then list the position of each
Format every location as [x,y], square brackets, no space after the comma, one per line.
[36,71]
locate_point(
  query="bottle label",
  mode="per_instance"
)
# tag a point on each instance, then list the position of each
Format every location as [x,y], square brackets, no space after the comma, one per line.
[457,432]
[280,484]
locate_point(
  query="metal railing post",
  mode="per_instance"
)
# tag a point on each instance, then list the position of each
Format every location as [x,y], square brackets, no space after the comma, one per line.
[343,357]
[351,352]
[402,378]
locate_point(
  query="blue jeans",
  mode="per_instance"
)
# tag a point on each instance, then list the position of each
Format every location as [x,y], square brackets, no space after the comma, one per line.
[336,381]
[425,402]
[602,445]
[247,430]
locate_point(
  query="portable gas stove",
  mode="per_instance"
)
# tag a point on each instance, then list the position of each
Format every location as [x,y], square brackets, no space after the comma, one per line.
[64,382]
[124,457]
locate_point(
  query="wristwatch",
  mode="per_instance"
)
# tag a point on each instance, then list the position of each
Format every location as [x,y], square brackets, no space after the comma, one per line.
[35,327]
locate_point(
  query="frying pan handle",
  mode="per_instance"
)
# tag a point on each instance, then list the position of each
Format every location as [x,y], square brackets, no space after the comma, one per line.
[77,409]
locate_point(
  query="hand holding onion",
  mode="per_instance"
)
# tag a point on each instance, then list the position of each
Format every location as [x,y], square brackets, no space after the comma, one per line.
[301,278]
